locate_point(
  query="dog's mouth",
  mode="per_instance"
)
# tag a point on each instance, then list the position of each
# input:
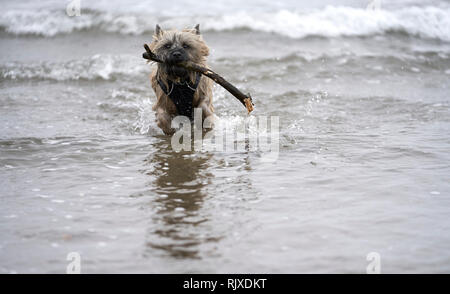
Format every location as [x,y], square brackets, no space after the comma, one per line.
[175,71]
[171,60]
[176,60]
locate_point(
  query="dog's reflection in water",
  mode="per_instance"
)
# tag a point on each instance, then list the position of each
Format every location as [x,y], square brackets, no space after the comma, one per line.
[179,180]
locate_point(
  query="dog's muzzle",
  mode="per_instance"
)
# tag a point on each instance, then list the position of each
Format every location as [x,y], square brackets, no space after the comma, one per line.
[177,56]
[172,59]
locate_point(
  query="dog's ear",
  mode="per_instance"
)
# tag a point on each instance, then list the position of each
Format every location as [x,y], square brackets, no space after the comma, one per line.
[197,29]
[158,30]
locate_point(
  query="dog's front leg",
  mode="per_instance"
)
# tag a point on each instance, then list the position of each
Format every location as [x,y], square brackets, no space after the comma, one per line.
[207,113]
[164,120]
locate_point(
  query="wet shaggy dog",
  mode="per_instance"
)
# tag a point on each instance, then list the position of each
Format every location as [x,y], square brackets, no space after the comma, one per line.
[179,91]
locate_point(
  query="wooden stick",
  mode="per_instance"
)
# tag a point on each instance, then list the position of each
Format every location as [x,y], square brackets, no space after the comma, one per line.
[246,100]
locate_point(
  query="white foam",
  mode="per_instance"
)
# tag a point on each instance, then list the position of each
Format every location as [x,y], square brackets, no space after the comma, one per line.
[428,22]
[146,120]
[100,66]
[44,22]
[431,22]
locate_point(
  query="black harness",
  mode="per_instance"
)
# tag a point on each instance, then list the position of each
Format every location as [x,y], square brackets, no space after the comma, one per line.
[182,95]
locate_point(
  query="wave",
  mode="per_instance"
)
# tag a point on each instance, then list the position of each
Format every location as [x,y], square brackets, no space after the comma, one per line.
[100,66]
[111,67]
[427,22]
[49,23]
[342,62]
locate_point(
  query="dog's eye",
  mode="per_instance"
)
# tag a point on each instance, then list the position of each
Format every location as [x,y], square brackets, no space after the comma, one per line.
[185,46]
[167,46]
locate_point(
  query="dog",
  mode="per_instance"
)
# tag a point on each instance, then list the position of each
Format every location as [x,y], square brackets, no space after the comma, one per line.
[178,91]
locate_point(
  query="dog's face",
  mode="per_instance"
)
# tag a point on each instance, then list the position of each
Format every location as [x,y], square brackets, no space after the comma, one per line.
[178,46]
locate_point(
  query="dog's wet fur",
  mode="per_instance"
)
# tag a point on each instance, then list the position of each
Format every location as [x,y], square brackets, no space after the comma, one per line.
[172,47]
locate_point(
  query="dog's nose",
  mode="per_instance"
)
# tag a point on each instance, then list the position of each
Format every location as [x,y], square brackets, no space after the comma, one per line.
[176,54]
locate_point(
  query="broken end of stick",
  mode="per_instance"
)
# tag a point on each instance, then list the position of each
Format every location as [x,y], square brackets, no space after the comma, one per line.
[248,103]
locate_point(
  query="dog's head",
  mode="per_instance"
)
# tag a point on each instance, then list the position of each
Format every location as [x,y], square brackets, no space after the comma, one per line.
[173,47]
